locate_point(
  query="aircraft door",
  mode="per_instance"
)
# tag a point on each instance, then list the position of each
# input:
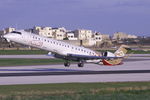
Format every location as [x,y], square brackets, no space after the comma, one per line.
[26,37]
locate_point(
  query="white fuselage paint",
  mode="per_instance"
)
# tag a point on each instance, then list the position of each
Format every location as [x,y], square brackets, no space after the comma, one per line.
[49,44]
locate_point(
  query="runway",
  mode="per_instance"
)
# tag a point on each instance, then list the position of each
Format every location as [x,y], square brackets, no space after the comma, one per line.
[74,73]
[136,68]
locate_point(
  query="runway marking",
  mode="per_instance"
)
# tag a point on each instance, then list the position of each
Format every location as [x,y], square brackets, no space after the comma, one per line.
[40,69]
[133,60]
[74,73]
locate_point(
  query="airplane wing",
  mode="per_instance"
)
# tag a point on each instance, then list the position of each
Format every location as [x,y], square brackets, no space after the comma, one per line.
[86,57]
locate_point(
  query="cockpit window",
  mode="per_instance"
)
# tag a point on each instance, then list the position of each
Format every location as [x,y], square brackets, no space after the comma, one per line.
[16,32]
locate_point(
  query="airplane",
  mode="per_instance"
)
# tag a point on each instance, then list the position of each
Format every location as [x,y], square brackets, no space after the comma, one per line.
[67,51]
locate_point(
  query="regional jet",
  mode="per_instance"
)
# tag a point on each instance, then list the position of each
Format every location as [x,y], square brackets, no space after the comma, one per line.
[67,51]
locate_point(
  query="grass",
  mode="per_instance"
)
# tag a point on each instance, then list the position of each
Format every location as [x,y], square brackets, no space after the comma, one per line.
[139,52]
[22,52]
[77,91]
[15,62]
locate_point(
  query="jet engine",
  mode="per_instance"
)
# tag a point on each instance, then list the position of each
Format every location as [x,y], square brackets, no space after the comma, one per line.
[108,54]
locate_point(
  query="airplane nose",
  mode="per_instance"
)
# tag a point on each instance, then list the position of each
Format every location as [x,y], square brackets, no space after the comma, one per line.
[4,36]
[7,36]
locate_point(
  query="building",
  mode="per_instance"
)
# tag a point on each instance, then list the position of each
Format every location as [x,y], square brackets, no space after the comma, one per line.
[70,36]
[98,37]
[105,36]
[132,36]
[120,36]
[59,33]
[7,30]
[56,33]
[83,34]
[43,31]
[10,29]
[89,42]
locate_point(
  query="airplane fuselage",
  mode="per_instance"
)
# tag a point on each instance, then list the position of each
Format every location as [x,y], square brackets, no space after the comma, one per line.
[49,44]
[65,50]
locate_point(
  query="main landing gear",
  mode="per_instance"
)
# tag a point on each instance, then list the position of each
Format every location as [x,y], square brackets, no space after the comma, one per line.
[67,64]
[80,64]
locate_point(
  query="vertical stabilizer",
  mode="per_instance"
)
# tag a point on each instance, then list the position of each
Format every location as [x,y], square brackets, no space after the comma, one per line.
[123,49]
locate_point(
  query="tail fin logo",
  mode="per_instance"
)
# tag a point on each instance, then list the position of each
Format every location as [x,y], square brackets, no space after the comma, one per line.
[120,54]
[122,51]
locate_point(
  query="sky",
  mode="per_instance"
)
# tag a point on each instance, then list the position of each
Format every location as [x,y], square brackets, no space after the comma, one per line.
[105,16]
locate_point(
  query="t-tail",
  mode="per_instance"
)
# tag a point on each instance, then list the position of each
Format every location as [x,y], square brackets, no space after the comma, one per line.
[119,54]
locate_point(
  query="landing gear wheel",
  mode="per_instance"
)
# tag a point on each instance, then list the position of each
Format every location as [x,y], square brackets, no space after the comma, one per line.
[67,64]
[81,64]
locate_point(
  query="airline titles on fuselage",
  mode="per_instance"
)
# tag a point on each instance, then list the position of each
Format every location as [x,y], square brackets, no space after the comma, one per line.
[38,41]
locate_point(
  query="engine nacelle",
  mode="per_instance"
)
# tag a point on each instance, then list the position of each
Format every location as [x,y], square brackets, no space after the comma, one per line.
[108,54]
[111,62]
